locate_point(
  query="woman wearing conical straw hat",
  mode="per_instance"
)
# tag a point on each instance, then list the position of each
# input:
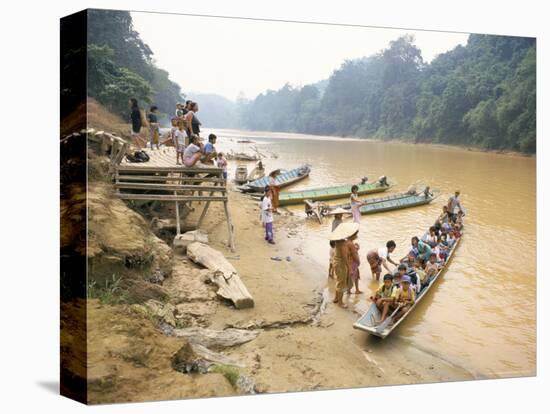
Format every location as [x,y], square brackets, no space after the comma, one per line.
[345,253]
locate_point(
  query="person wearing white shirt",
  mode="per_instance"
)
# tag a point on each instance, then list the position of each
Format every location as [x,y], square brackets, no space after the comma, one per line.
[267,216]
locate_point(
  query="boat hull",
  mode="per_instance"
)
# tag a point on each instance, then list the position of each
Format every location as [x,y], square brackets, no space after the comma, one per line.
[389,203]
[283,180]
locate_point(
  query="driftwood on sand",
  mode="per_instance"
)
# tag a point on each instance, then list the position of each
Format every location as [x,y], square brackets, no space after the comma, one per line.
[181,241]
[216,339]
[223,274]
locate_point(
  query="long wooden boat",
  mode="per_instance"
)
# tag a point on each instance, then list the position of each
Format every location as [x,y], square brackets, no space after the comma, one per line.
[285,178]
[374,205]
[330,193]
[382,330]
[391,202]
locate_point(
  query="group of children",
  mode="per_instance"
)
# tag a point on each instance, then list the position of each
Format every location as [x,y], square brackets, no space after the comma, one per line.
[419,267]
[190,150]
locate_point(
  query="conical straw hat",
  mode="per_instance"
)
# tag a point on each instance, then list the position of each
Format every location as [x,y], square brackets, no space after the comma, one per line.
[343,231]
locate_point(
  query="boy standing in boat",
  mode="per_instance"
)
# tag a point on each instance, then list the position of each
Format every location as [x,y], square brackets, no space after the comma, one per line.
[267,215]
[453,204]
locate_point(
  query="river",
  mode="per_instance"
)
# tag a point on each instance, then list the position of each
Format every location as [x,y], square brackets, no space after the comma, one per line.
[481,315]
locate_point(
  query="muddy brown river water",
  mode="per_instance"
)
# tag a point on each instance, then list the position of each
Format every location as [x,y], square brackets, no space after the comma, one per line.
[481,315]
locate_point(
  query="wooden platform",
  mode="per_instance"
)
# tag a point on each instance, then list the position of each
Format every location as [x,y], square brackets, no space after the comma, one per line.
[160,179]
[164,157]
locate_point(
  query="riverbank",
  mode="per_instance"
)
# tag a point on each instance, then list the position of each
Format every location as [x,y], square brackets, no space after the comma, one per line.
[305,341]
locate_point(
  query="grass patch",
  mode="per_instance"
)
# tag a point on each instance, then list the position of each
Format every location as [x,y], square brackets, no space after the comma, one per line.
[231,374]
[110,293]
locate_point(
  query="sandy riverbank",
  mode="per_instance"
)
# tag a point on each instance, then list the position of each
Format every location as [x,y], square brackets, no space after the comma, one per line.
[130,353]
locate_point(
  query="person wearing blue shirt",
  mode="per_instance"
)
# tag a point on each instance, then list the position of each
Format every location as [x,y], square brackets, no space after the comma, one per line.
[424,249]
[209,149]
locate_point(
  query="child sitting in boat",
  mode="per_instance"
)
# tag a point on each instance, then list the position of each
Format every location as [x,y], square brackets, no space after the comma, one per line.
[432,266]
[403,298]
[383,296]
[409,261]
[421,276]
[403,270]
[396,279]
[443,247]
[431,237]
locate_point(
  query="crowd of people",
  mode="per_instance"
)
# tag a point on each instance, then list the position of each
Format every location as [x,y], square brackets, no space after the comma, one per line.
[184,135]
[409,276]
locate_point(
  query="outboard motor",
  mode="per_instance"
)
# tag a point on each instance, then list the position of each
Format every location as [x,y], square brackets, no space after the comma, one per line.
[364,180]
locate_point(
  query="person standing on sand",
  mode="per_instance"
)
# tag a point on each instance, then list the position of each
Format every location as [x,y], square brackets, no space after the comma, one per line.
[267,215]
[344,254]
[355,262]
[338,215]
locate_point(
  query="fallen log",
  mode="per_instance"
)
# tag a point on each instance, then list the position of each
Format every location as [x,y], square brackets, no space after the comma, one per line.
[181,241]
[223,274]
[216,339]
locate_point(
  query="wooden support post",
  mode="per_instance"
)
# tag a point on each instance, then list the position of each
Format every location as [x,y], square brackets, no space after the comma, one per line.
[203,214]
[229,226]
[178,228]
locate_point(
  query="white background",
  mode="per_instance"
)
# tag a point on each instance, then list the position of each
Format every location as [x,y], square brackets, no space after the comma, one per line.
[29,211]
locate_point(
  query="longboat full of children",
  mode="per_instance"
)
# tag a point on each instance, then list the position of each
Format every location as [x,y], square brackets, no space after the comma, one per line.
[402,289]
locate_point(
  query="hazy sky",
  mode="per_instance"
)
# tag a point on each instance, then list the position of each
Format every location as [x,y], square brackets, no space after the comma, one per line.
[227,56]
